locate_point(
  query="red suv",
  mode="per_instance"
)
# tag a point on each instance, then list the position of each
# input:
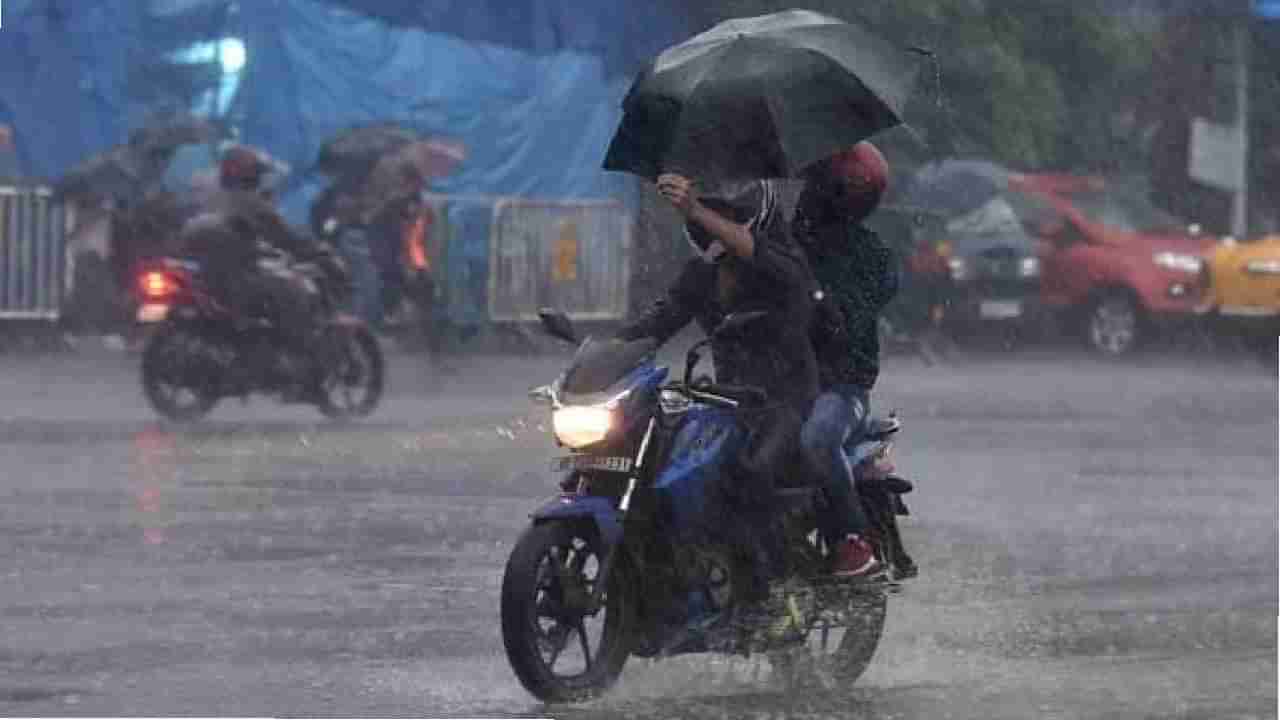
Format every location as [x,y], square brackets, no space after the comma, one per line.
[1111,260]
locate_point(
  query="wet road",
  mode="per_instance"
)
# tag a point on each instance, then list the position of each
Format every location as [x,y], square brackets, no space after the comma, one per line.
[1096,541]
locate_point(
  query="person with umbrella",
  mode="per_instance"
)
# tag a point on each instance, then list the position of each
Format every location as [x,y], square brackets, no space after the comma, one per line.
[381,172]
[763,97]
[745,261]
[858,277]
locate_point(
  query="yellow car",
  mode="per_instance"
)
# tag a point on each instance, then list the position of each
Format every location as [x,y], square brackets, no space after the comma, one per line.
[1243,294]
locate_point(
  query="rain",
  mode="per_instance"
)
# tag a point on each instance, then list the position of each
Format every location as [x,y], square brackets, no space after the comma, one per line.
[402,520]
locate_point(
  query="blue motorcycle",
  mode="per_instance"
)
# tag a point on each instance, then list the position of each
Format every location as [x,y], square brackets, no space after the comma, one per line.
[647,552]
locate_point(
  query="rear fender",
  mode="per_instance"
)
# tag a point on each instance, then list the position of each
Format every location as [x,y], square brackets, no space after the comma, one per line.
[593,508]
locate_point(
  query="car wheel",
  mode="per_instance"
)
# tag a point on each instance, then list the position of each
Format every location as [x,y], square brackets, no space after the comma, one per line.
[1114,325]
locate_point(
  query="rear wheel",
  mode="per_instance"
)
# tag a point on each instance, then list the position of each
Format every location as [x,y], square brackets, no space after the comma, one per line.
[548,623]
[843,623]
[169,381]
[354,378]
[1114,325]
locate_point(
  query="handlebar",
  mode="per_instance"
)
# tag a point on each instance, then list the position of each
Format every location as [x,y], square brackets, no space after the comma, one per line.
[723,393]
[749,393]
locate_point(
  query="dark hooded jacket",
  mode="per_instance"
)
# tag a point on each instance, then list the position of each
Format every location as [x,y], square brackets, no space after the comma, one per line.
[776,353]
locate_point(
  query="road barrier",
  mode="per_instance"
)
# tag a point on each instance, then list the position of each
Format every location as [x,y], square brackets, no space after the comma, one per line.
[574,256]
[33,263]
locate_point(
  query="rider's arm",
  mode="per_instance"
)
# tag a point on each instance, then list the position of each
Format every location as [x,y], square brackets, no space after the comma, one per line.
[670,313]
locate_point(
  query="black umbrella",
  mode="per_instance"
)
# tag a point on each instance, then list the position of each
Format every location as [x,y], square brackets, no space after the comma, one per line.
[172,132]
[125,172]
[761,97]
[356,150]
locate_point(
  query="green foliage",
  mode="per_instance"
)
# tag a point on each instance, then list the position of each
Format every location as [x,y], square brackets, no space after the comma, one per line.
[1034,84]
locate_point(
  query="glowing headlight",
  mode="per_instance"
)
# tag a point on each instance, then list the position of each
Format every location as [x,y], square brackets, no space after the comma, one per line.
[1029,267]
[580,426]
[1178,261]
[1264,267]
[959,268]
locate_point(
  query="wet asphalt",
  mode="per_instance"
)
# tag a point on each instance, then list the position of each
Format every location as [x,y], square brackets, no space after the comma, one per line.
[1096,540]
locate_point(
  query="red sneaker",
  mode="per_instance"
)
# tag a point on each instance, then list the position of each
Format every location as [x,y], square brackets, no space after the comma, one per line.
[855,557]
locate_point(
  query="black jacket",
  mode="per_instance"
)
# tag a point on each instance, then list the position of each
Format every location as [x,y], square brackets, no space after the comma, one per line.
[224,235]
[858,275]
[776,353]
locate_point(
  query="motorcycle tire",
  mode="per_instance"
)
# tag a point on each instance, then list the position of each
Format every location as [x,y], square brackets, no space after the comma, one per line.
[523,608]
[362,342]
[157,361]
[801,668]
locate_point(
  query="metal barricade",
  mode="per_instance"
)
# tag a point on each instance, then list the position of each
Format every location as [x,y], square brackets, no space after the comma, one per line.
[574,256]
[33,235]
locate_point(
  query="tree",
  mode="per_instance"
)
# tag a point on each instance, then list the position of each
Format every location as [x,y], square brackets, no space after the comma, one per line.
[1033,84]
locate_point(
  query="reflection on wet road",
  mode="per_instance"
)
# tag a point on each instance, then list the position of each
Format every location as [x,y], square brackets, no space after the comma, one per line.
[1095,540]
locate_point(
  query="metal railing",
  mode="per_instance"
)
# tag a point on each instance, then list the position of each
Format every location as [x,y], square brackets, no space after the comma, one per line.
[574,256]
[33,264]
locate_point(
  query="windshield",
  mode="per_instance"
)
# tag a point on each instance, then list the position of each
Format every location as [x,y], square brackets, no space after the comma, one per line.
[599,364]
[1126,211]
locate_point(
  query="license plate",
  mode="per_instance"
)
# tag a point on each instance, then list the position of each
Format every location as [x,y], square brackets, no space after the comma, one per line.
[1248,311]
[592,462]
[153,313]
[1000,309]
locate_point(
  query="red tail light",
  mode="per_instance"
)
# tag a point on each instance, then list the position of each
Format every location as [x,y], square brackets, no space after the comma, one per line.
[156,284]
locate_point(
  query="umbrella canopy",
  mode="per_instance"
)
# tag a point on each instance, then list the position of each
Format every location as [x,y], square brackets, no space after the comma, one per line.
[356,150]
[957,187]
[126,172]
[404,172]
[761,97]
[174,132]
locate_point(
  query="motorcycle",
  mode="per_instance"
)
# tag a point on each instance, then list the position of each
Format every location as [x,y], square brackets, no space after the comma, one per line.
[200,352]
[630,546]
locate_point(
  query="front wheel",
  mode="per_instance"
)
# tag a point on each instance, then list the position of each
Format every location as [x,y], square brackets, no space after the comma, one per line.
[354,376]
[174,386]
[1114,325]
[548,621]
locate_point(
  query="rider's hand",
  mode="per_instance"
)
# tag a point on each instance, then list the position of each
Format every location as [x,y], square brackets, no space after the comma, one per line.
[678,190]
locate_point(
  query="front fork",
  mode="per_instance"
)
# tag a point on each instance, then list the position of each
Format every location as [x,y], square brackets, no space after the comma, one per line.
[611,552]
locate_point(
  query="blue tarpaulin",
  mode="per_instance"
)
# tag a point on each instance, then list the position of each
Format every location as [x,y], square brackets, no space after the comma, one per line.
[531,87]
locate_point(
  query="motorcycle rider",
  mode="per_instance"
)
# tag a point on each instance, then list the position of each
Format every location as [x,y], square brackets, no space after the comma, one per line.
[226,238]
[746,261]
[857,275]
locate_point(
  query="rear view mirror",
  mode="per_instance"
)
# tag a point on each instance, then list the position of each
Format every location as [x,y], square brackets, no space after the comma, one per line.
[557,325]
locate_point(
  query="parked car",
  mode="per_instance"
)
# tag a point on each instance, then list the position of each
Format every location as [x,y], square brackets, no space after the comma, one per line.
[988,258]
[1242,292]
[1111,262]
[995,273]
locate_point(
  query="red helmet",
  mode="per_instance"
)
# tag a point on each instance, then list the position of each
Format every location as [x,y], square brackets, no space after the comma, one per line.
[242,167]
[859,178]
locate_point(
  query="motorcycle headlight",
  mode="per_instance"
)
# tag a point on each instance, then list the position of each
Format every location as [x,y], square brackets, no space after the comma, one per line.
[1029,267]
[959,268]
[1178,261]
[578,426]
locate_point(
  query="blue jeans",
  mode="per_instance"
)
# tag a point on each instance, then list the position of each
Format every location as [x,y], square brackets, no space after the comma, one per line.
[366,300]
[840,416]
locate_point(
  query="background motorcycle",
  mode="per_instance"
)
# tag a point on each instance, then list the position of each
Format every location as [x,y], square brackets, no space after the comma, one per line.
[638,546]
[201,352]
